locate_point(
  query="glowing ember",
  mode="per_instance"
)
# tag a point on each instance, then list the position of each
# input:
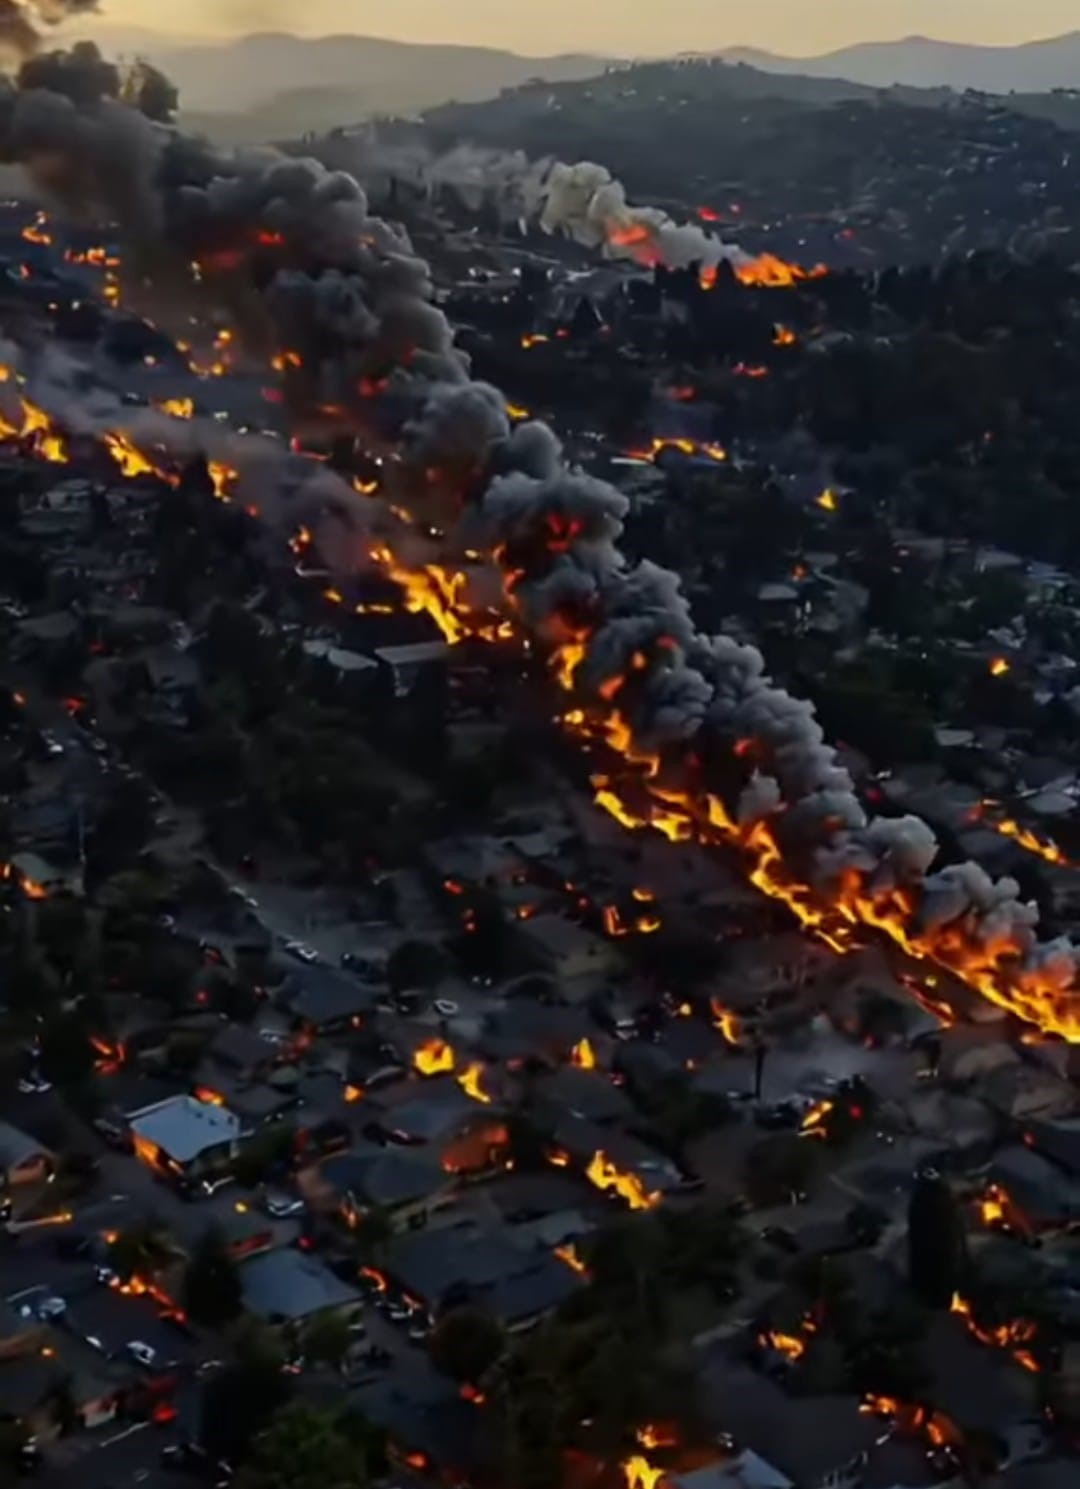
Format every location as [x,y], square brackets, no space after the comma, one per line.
[224,478]
[179,408]
[1013,1336]
[827,500]
[568,1254]
[726,1021]
[35,232]
[658,446]
[999,666]
[434,1058]
[470,1082]
[791,1346]
[603,1173]
[657,1435]
[813,1124]
[784,336]
[583,1055]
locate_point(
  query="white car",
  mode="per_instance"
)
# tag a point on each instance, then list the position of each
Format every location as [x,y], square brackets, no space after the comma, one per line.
[50,1308]
[301,951]
[33,1085]
[283,1206]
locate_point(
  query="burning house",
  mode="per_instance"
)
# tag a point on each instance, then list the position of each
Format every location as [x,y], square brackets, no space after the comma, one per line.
[184,1139]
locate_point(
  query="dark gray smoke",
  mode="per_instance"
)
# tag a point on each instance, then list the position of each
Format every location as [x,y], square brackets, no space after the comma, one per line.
[346,290]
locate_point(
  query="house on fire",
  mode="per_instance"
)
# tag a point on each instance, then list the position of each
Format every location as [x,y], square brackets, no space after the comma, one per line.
[185,1138]
[446,1268]
[23,1160]
[407,1186]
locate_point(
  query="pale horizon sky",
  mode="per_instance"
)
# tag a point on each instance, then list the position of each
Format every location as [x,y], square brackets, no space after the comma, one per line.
[617,27]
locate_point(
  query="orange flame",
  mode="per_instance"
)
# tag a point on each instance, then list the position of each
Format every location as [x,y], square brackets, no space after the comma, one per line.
[434,1058]
[470,1082]
[568,1253]
[604,1175]
[583,1055]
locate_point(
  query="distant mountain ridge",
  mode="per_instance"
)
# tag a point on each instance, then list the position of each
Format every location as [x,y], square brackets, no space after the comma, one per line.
[271,74]
[921,62]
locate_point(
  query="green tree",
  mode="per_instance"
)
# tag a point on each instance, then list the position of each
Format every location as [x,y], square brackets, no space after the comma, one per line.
[778,1166]
[140,1249]
[326,1339]
[936,1242]
[212,1292]
[304,1448]
[466,1343]
[67,1057]
[415,964]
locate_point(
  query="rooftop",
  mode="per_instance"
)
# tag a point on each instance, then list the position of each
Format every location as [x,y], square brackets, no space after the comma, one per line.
[288,1285]
[183,1127]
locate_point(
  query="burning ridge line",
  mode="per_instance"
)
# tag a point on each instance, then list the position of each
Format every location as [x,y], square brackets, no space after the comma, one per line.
[705,745]
[582,201]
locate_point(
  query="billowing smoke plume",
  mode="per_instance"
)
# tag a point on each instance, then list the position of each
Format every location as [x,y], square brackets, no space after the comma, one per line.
[696,715]
[582,201]
[21,20]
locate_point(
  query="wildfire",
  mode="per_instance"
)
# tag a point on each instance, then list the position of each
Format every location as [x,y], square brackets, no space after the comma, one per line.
[470,1081]
[224,478]
[766,271]
[37,428]
[639,1473]
[994,1207]
[726,1022]
[604,1175]
[132,461]
[35,231]
[658,445]
[814,1123]
[440,593]
[110,1056]
[583,1055]
[569,1254]
[657,1435]
[434,1058]
[791,1346]
[1023,837]
[179,408]
[914,1420]
[1013,1336]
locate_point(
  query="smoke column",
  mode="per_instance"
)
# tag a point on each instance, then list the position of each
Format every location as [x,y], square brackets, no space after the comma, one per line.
[295,246]
[583,201]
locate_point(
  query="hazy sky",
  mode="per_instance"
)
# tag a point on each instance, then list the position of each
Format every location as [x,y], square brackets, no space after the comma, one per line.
[618,26]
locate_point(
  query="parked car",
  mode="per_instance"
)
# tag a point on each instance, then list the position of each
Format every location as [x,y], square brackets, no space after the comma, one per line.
[282,1206]
[301,951]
